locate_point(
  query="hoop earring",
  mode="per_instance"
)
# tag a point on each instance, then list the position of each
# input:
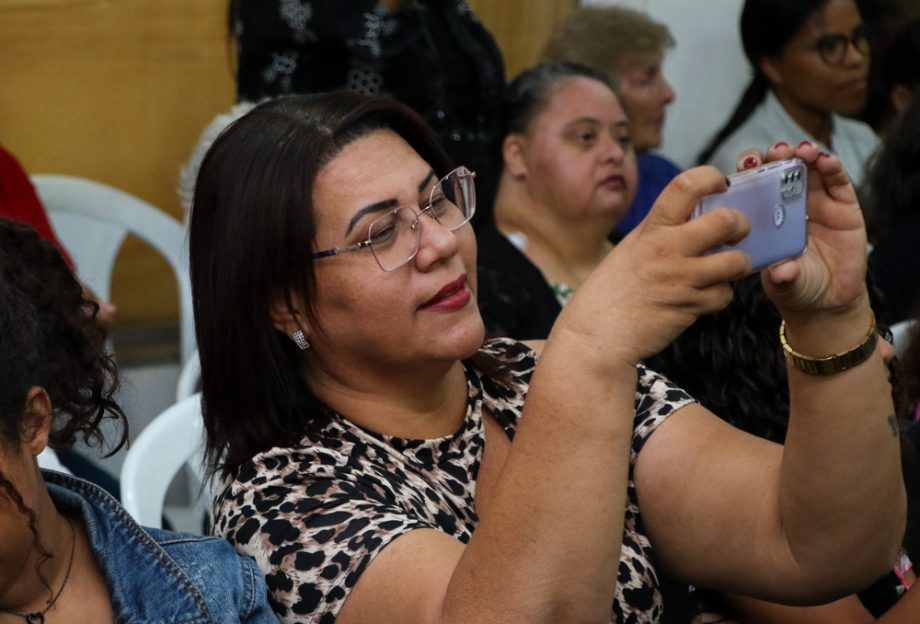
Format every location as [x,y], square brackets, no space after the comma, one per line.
[300,339]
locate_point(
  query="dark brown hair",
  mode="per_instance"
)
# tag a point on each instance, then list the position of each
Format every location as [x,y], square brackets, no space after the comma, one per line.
[251,242]
[894,174]
[49,338]
[907,388]
[767,26]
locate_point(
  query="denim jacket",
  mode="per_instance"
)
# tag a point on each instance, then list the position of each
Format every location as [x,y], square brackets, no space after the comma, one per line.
[160,577]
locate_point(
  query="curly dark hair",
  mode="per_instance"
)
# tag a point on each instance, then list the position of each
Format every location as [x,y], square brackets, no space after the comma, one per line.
[49,338]
[907,388]
[732,361]
[894,173]
[9,490]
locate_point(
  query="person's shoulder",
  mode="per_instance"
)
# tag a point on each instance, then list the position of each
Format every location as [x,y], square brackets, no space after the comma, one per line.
[856,131]
[655,172]
[511,350]
[758,131]
[508,364]
[744,138]
[231,583]
[657,164]
[855,127]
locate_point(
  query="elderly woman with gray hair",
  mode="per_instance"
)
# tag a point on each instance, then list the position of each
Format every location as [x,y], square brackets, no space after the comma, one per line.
[629,47]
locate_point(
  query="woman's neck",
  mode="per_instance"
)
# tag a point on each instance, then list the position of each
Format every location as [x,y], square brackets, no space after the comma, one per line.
[422,404]
[566,249]
[29,592]
[817,123]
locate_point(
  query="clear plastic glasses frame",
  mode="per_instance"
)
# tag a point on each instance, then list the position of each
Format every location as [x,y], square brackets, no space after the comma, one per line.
[394,237]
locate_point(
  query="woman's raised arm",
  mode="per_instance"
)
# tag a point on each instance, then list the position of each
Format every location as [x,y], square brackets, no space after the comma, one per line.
[824,515]
[547,548]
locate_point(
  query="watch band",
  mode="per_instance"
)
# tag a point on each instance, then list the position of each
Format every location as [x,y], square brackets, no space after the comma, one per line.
[831,364]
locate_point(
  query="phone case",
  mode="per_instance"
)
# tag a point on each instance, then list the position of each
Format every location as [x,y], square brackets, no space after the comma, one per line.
[774,198]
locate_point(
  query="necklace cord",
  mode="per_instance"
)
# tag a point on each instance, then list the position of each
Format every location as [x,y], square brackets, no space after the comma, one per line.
[38,617]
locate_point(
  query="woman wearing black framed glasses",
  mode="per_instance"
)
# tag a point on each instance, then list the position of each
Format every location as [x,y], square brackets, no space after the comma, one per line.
[811,61]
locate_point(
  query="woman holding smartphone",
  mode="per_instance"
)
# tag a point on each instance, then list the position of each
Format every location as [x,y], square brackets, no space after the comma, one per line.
[382,463]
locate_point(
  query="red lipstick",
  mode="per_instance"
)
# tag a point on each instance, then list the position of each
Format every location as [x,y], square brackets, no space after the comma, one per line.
[453,296]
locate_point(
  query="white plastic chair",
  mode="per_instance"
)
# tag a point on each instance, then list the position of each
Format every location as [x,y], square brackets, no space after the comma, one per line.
[189,377]
[173,439]
[93,219]
[901,335]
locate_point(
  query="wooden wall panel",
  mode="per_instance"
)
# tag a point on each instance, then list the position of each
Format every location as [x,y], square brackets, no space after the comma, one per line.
[116,91]
[119,90]
[521,27]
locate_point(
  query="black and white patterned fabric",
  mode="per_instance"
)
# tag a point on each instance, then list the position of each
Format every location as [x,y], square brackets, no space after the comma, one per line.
[433,55]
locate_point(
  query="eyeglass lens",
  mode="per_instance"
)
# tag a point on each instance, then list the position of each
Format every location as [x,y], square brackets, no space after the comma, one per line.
[833,47]
[394,237]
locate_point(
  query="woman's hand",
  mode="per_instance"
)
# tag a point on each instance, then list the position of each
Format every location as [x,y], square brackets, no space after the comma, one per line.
[830,277]
[659,279]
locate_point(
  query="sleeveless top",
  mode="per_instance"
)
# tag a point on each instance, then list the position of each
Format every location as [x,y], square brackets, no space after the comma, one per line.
[313,516]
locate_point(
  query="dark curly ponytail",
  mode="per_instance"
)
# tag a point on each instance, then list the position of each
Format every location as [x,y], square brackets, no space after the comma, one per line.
[49,338]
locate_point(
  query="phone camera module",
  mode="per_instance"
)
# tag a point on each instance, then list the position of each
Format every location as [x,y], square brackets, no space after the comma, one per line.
[792,183]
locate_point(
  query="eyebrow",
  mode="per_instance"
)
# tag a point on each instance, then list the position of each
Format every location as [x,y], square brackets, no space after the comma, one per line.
[623,123]
[383,205]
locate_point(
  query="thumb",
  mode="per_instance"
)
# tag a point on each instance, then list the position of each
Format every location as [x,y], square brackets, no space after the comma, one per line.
[678,199]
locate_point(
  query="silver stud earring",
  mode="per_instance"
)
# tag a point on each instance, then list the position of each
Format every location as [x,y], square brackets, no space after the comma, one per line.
[300,339]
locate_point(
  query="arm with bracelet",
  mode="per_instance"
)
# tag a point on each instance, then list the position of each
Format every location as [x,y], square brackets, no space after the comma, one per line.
[826,517]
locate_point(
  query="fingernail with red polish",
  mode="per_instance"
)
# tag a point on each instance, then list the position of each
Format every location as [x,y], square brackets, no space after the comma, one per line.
[781,144]
[824,154]
[804,143]
[748,162]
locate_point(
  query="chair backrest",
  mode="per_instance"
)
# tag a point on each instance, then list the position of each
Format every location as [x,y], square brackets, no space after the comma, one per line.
[173,439]
[92,220]
[901,335]
[189,377]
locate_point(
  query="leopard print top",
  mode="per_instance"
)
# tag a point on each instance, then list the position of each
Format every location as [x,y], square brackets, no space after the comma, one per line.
[315,515]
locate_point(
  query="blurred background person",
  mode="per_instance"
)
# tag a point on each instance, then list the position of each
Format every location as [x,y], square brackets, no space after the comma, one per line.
[884,20]
[893,198]
[20,202]
[434,55]
[810,60]
[899,70]
[629,47]
[69,551]
[568,176]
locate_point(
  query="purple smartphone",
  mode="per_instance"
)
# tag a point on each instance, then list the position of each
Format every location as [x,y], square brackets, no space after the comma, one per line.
[774,199]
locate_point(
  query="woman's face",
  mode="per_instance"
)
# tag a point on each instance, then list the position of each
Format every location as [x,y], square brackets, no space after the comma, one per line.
[803,75]
[578,152]
[645,95]
[421,312]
